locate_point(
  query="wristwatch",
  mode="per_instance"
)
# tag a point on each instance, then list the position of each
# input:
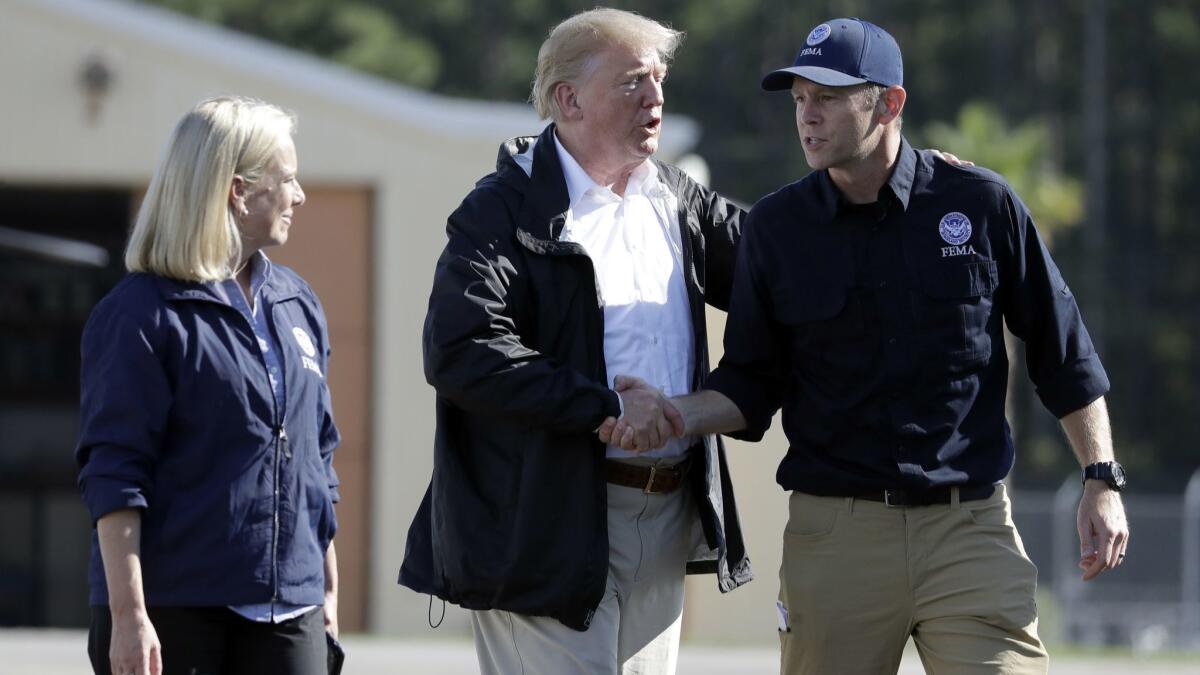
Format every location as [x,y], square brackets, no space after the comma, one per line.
[1112,473]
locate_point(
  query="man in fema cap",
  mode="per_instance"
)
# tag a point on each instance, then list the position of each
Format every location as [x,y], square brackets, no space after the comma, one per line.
[869,302]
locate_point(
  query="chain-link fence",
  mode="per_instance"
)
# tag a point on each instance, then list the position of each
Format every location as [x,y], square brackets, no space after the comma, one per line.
[1150,602]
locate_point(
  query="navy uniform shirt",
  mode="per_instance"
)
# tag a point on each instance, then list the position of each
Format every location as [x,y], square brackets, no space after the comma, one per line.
[879,329]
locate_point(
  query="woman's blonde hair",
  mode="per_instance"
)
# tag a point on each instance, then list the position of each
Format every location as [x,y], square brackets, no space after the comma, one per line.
[185,228]
[567,53]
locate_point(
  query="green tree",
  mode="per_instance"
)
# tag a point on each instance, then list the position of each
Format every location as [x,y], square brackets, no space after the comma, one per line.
[358,34]
[1018,154]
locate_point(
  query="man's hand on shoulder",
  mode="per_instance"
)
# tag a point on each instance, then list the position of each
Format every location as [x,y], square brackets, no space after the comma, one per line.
[951,159]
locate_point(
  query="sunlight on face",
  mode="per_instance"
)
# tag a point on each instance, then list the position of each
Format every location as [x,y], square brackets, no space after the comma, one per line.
[621,103]
[271,201]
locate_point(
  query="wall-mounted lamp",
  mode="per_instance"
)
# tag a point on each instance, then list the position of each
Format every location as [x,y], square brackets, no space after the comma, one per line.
[95,77]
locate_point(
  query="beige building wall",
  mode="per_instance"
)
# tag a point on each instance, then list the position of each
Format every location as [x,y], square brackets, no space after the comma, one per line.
[747,615]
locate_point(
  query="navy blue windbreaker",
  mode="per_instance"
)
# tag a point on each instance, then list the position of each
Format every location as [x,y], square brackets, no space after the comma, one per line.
[178,420]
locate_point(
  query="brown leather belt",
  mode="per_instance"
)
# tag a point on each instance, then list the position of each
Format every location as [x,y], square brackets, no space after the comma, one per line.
[654,479]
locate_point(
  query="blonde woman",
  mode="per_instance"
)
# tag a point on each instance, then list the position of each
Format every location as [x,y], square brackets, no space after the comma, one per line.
[206,436]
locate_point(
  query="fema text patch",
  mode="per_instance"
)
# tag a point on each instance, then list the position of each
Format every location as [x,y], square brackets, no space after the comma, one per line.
[955,229]
[309,349]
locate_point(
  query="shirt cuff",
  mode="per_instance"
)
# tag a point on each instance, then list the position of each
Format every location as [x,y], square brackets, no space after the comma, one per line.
[1074,386]
[620,410]
[751,397]
[105,495]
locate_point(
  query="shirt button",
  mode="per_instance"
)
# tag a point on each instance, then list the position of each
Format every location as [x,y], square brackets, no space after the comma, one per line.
[891,341]
[883,284]
[274,370]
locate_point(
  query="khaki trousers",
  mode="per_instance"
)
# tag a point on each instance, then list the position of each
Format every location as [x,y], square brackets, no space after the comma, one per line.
[858,578]
[635,630]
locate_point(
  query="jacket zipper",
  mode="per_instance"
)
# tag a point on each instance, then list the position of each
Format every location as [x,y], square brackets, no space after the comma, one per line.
[576,249]
[281,441]
[695,303]
[281,448]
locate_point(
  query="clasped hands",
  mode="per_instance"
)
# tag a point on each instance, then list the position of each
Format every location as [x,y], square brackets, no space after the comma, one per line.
[649,420]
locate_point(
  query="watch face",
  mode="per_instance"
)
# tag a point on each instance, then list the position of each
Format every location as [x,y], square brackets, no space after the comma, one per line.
[1118,474]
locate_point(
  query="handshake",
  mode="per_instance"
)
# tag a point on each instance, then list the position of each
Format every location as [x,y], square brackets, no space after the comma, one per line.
[649,420]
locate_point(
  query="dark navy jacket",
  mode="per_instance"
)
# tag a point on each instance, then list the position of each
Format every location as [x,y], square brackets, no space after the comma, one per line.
[178,420]
[879,329]
[516,514]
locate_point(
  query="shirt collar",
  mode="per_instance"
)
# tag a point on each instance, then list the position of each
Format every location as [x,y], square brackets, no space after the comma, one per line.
[579,183]
[578,180]
[260,274]
[644,180]
[901,182]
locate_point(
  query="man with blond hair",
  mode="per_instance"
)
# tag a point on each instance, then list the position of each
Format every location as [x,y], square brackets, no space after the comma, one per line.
[579,257]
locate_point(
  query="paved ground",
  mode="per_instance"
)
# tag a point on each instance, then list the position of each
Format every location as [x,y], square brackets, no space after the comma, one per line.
[62,652]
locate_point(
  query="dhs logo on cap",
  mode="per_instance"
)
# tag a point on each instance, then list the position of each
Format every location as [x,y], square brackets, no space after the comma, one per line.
[818,35]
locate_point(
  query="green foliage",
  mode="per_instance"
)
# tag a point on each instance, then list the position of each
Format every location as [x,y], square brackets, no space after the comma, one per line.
[1018,154]
[360,35]
[376,44]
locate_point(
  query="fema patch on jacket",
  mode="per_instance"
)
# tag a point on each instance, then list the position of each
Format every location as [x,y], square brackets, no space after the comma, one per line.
[310,350]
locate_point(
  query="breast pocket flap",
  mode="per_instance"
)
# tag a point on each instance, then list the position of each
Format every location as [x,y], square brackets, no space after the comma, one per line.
[962,280]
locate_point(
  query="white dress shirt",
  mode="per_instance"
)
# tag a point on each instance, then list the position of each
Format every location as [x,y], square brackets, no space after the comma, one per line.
[635,247]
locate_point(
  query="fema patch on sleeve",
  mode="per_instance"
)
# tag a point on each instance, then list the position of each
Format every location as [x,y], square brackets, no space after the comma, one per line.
[818,35]
[955,228]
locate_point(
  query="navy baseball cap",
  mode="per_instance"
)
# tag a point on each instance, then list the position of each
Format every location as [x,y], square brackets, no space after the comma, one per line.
[841,53]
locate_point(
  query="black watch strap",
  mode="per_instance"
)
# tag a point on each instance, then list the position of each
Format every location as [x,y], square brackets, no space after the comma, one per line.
[1112,473]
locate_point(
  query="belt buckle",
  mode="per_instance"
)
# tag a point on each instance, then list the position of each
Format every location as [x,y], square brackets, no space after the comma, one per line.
[887,500]
[650,480]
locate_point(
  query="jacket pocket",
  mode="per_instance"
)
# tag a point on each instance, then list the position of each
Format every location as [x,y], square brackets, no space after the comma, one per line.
[318,498]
